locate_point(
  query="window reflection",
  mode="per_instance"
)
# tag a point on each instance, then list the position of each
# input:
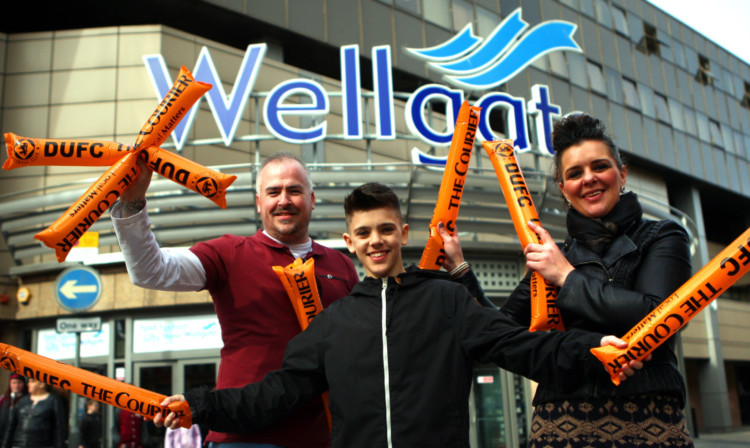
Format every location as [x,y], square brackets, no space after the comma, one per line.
[630,92]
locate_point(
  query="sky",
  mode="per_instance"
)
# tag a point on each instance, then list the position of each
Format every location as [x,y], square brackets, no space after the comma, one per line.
[723,21]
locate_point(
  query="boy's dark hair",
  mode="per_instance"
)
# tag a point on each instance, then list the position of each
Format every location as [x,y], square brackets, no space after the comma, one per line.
[576,129]
[370,196]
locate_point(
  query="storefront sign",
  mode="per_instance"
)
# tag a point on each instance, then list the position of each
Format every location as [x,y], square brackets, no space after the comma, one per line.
[177,333]
[507,51]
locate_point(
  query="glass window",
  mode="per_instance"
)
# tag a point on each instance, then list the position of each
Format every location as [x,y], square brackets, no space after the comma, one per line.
[715,129]
[409,5]
[558,64]
[666,47]
[728,139]
[486,21]
[661,107]
[463,13]
[572,3]
[577,67]
[614,86]
[621,20]
[647,100]
[739,86]
[676,115]
[704,132]
[587,7]
[691,61]
[704,74]
[596,78]
[739,145]
[678,53]
[635,25]
[602,13]
[691,124]
[439,13]
[746,97]
[630,92]
[649,42]
[727,82]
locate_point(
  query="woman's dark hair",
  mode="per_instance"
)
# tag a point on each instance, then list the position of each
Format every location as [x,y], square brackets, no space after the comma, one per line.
[574,130]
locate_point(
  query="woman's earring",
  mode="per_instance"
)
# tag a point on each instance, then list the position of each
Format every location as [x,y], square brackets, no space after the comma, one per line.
[622,189]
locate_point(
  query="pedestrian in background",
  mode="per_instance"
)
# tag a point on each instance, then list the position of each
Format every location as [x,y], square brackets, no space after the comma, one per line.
[38,421]
[16,389]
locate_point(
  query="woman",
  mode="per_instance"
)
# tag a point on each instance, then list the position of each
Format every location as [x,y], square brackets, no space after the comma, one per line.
[9,400]
[39,420]
[613,268]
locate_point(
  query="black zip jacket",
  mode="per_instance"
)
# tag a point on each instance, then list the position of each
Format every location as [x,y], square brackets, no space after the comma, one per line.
[42,425]
[397,361]
[611,294]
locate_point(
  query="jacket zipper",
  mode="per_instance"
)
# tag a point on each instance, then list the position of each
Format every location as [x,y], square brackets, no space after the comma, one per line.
[386,377]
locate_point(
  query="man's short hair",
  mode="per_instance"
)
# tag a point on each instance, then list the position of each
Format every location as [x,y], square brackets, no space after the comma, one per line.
[370,196]
[281,156]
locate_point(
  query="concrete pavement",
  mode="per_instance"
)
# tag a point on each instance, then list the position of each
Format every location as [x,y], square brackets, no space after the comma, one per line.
[739,438]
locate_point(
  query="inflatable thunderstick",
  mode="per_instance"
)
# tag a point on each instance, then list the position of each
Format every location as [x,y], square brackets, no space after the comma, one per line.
[451,186]
[544,312]
[91,385]
[676,310]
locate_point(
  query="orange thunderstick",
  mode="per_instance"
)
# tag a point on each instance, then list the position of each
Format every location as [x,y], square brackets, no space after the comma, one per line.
[91,385]
[544,312]
[676,310]
[452,185]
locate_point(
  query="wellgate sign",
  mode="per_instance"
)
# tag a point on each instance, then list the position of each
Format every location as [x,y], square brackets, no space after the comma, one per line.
[466,61]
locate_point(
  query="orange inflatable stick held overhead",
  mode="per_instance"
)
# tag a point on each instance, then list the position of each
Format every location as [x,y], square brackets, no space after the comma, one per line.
[202,180]
[184,93]
[298,279]
[544,312]
[452,185]
[68,228]
[91,385]
[26,151]
[676,310]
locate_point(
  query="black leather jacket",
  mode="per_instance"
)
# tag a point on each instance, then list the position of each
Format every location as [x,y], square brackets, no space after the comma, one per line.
[612,293]
[42,425]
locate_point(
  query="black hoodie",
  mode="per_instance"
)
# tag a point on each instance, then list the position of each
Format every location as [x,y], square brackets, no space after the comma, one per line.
[397,359]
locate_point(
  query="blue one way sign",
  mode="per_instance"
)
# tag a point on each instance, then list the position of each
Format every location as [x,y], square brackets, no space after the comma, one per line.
[78,288]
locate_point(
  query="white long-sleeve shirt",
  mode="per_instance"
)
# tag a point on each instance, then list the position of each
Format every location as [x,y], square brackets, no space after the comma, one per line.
[152,267]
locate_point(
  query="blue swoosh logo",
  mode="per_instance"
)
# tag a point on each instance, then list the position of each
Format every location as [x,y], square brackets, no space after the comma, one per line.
[505,52]
[458,45]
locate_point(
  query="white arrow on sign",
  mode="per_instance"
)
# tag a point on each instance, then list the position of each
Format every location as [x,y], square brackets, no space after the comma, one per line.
[69,289]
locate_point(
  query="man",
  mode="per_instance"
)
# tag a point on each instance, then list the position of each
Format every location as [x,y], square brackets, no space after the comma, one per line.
[397,355]
[256,317]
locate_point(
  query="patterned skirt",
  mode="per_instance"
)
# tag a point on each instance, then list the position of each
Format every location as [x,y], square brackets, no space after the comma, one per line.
[634,421]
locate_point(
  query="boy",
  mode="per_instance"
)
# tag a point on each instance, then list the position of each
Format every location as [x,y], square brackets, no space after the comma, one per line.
[397,354]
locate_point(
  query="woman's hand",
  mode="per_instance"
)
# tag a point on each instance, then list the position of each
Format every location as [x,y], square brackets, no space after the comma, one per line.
[632,366]
[171,421]
[546,258]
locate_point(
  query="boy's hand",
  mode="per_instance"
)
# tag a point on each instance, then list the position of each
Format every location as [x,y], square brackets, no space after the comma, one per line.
[632,366]
[452,245]
[172,421]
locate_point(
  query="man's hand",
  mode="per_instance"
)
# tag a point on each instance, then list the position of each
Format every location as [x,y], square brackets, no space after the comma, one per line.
[632,366]
[452,245]
[172,421]
[546,258]
[134,197]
